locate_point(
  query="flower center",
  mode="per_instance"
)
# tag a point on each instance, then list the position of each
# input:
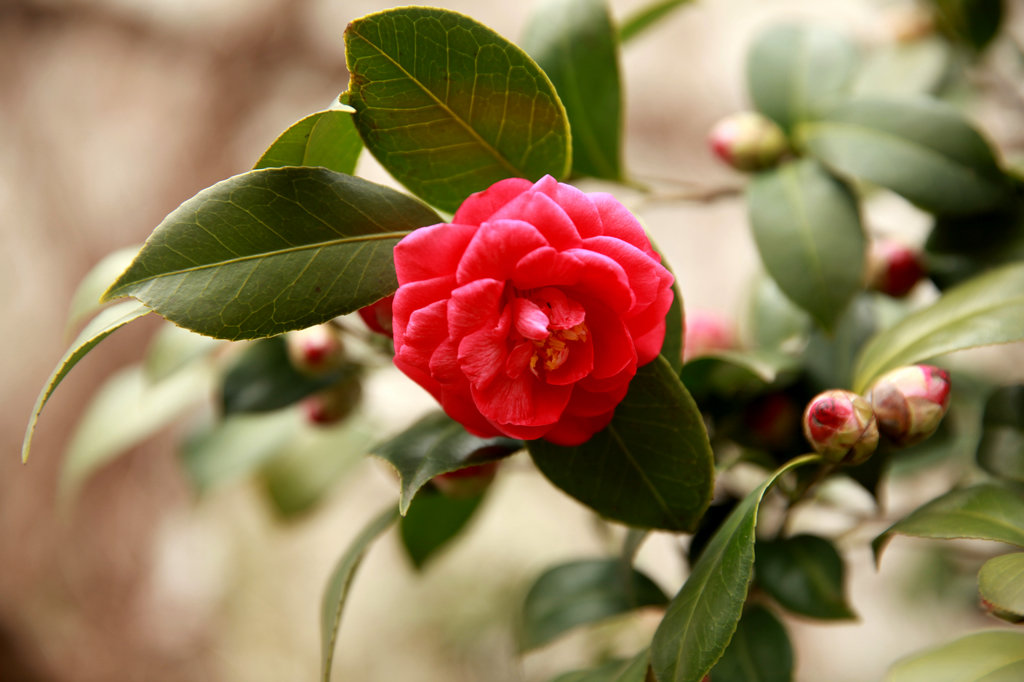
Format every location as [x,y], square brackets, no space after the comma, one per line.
[553,351]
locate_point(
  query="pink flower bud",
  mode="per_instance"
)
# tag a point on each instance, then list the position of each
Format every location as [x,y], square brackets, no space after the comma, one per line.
[748,141]
[706,331]
[468,482]
[841,426]
[335,403]
[377,316]
[910,402]
[893,268]
[315,351]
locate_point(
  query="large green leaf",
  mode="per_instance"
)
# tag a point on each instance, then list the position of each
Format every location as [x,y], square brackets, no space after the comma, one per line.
[273,250]
[993,656]
[647,16]
[983,512]
[985,310]
[449,107]
[340,581]
[804,574]
[629,670]
[651,467]
[103,325]
[918,67]
[1001,448]
[702,617]
[807,227]
[576,44]
[793,70]
[759,651]
[432,521]
[437,444]
[327,139]
[920,148]
[1001,583]
[582,592]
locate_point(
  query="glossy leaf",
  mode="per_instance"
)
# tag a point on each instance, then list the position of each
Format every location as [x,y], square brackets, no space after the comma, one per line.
[436,444]
[449,107]
[759,651]
[807,227]
[919,148]
[580,593]
[127,409]
[675,324]
[655,462]
[432,521]
[647,16]
[273,250]
[327,139]
[793,70]
[86,299]
[983,512]
[992,656]
[630,670]
[174,348]
[702,617]
[985,310]
[340,581]
[1001,449]
[577,46]
[901,69]
[103,325]
[804,574]
[1001,583]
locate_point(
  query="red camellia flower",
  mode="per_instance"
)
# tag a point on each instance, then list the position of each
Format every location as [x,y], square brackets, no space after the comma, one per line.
[529,313]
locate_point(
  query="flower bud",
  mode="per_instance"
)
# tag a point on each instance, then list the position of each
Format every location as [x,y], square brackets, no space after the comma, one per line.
[467,482]
[748,141]
[841,426]
[910,402]
[377,316]
[336,402]
[315,351]
[893,268]
[1001,614]
[705,332]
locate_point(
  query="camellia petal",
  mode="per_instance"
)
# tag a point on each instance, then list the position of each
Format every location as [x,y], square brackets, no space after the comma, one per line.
[548,217]
[618,222]
[495,249]
[445,245]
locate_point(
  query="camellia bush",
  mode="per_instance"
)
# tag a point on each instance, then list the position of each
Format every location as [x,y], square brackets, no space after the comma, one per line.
[541,317]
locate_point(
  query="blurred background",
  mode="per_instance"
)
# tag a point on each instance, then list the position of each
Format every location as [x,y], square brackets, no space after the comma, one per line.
[112,112]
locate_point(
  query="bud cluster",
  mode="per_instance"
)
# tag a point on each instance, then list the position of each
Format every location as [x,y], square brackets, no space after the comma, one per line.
[318,352]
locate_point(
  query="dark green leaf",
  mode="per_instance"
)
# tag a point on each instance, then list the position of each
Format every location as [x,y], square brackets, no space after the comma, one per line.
[341,580]
[900,69]
[273,250]
[583,592]
[675,324]
[437,444]
[655,464]
[807,227]
[830,357]
[702,617]
[631,670]
[985,310]
[971,22]
[804,574]
[449,107]
[103,325]
[759,651]
[961,247]
[576,44]
[983,512]
[920,148]
[793,70]
[327,139]
[86,299]
[1001,583]
[992,656]
[647,16]
[1001,449]
[431,521]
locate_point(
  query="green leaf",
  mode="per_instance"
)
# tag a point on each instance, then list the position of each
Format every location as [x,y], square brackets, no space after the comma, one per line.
[793,70]
[437,444]
[702,617]
[86,299]
[577,46]
[807,227]
[449,107]
[983,512]
[227,450]
[1001,583]
[127,409]
[645,17]
[433,520]
[920,148]
[992,656]
[773,321]
[340,581]
[583,592]
[961,247]
[103,325]
[655,462]
[675,324]
[971,22]
[985,310]
[805,575]
[327,139]
[759,651]
[919,67]
[173,348]
[273,250]
[1001,449]
[628,670]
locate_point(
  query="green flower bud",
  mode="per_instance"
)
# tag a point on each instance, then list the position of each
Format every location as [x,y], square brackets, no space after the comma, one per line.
[910,402]
[841,426]
[748,141]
